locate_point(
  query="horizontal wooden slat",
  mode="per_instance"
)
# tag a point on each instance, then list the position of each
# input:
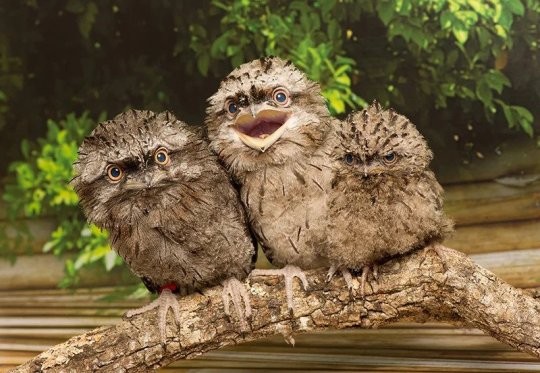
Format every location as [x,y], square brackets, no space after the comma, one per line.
[45,272]
[490,202]
[515,156]
[40,230]
[55,322]
[495,237]
[520,268]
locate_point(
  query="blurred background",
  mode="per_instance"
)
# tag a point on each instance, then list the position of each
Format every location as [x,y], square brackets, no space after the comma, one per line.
[466,72]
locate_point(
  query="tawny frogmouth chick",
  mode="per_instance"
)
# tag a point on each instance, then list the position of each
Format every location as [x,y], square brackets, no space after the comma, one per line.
[169,206]
[385,200]
[269,123]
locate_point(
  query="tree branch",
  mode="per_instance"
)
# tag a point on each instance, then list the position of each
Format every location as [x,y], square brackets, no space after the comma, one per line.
[414,287]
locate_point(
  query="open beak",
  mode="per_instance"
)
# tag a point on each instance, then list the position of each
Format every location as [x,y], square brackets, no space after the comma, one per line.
[260,129]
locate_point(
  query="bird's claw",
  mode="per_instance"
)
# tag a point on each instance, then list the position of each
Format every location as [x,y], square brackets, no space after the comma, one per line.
[374,269]
[289,272]
[167,300]
[438,250]
[346,276]
[235,291]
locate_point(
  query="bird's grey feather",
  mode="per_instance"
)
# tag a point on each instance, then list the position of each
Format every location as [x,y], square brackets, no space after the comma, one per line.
[284,188]
[379,209]
[186,225]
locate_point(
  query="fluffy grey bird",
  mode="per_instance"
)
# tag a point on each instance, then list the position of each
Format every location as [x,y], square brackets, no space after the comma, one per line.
[169,207]
[269,123]
[385,200]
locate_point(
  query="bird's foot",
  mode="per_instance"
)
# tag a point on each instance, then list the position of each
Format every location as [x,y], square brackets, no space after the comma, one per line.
[235,291]
[165,301]
[374,269]
[289,272]
[438,250]
[346,276]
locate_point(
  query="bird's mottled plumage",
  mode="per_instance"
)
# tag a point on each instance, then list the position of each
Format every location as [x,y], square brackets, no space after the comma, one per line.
[176,222]
[284,181]
[385,200]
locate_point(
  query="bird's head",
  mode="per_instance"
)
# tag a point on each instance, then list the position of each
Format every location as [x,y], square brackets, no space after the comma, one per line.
[266,112]
[375,142]
[136,165]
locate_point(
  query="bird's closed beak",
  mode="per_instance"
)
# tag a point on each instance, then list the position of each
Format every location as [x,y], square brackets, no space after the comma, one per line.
[138,182]
[134,185]
[261,126]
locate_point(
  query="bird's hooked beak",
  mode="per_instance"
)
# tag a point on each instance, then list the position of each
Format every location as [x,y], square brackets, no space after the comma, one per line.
[260,126]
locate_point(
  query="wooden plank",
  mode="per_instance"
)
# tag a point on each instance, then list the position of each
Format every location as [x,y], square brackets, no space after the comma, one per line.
[495,237]
[521,268]
[63,334]
[40,230]
[488,202]
[349,362]
[56,322]
[518,155]
[46,271]
[104,310]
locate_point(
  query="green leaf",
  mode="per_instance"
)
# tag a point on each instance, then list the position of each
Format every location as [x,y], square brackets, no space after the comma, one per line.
[515,6]
[446,20]
[385,10]
[524,113]
[48,246]
[483,92]
[496,80]
[87,19]
[75,6]
[460,31]
[484,37]
[110,260]
[203,62]
[448,89]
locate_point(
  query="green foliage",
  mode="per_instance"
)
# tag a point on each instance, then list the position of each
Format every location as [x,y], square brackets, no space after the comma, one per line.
[41,188]
[454,43]
[306,33]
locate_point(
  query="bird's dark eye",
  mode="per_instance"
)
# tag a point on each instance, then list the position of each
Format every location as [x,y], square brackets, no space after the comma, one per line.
[161,156]
[115,173]
[280,96]
[389,158]
[231,107]
[349,158]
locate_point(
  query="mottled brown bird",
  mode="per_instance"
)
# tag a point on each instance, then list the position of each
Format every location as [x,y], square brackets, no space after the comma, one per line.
[170,208]
[269,123]
[385,200]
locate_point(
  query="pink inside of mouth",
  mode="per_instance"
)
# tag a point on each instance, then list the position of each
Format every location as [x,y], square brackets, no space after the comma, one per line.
[262,128]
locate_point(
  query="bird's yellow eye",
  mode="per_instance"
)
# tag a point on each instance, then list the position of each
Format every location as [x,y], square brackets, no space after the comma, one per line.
[115,173]
[161,156]
[281,96]
[390,158]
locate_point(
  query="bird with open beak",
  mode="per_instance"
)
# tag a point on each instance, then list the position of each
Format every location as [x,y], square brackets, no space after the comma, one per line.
[269,124]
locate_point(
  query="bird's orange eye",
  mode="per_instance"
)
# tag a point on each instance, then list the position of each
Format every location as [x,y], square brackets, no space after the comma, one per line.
[161,156]
[115,173]
[390,158]
[281,96]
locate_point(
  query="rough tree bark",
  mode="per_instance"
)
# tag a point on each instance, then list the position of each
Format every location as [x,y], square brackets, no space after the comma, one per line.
[414,287]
